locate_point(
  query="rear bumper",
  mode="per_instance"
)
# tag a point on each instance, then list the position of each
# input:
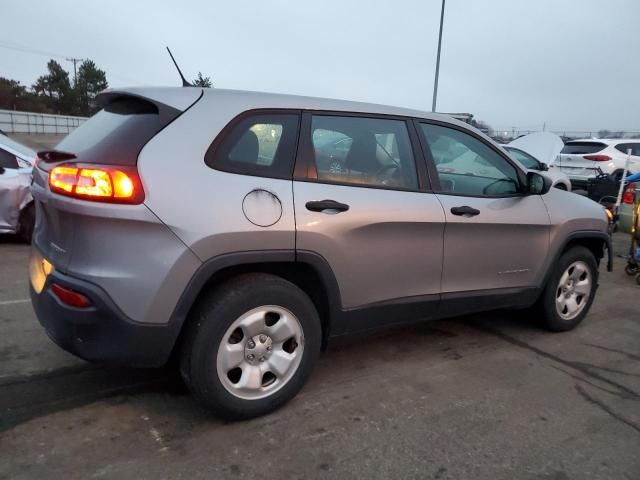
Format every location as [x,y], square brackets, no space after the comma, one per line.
[100,333]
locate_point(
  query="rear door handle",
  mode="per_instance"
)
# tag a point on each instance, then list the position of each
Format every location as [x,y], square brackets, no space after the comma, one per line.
[465,210]
[321,205]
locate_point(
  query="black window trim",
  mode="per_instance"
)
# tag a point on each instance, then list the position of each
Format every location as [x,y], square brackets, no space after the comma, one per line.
[305,169]
[433,171]
[211,158]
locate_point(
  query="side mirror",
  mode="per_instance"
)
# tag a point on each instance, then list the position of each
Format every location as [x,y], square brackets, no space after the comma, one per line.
[544,167]
[538,184]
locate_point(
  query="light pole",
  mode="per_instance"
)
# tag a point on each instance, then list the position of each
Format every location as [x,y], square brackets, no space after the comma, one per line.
[435,82]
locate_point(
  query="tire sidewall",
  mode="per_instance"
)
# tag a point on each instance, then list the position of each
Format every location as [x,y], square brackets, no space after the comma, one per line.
[551,318]
[214,321]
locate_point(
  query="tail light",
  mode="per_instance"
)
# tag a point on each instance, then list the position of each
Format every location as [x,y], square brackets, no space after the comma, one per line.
[99,183]
[597,158]
[628,194]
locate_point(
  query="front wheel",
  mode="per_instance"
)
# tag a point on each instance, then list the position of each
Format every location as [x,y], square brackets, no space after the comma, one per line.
[570,290]
[251,345]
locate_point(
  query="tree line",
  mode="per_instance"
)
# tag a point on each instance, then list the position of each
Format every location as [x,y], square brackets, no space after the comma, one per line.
[55,92]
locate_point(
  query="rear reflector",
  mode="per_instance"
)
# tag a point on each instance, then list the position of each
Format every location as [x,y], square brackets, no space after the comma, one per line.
[102,184]
[70,297]
[628,194]
[597,158]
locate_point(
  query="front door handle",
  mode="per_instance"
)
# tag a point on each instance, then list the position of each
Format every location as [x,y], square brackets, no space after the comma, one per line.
[322,205]
[465,210]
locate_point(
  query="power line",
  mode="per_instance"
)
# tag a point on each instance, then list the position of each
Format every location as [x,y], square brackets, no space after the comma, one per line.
[44,53]
[31,50]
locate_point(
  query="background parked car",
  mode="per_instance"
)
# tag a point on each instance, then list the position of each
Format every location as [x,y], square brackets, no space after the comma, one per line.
[581,160]
[559,179]
[17,214]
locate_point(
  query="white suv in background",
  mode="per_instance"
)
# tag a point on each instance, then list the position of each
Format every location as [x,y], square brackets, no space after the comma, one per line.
[580,159]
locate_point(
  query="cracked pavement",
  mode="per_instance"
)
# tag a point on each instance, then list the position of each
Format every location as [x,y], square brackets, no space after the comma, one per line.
[483,396]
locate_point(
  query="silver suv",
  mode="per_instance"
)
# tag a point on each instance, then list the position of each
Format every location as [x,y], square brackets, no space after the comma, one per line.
[238,232]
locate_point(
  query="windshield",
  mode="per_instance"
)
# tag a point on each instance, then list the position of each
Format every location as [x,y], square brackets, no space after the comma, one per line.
[524,158]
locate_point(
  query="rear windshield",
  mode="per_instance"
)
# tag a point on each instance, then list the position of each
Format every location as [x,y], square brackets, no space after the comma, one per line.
[116,134]
[583,147]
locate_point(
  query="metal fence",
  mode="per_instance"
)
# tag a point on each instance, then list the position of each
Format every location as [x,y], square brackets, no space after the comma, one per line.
[38,123]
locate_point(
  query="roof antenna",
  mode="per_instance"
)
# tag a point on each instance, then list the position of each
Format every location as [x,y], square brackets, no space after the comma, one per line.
[184,80]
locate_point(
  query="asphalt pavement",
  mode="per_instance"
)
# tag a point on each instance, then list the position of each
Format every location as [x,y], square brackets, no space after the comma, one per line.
[488,396]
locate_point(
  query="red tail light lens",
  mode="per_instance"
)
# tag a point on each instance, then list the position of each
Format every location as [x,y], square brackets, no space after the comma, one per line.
[98,183]
[628,194]
[70,297]
[597,158]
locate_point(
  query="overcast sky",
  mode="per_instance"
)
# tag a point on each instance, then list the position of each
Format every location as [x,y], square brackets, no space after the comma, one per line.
[574,64]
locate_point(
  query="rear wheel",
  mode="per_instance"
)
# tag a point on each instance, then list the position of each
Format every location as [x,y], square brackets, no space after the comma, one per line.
[251,346]
[570,291]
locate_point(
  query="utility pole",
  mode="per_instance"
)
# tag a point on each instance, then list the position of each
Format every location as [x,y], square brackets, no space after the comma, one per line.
[435,82]
[75,70]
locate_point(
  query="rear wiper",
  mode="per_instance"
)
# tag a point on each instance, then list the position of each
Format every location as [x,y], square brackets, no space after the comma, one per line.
[55,155]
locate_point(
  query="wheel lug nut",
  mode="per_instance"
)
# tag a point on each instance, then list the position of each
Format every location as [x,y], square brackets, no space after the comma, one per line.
[262,359]
[251,356]
[269,348]
[251,344]
[263,338]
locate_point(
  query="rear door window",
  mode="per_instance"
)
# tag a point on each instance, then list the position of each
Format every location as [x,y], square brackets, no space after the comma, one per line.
[582,148]
[8,160]
[363,151]
[261,144]
[635,148]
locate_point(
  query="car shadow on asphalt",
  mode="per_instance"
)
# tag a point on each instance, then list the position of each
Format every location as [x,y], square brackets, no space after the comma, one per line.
[29,397]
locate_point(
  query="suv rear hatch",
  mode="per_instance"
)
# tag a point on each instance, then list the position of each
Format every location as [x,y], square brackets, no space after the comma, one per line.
[113,137]
[581,158]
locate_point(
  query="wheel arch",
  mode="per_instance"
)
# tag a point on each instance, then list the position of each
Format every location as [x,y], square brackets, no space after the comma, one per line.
[595,241]
[307,270]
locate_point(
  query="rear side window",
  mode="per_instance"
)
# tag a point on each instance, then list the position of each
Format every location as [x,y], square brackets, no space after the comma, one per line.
[363,151]
[116,134]
[635,148]
[261,144]
[8,160]
[580,148]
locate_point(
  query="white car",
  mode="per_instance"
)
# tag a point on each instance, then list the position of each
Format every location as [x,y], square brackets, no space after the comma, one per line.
[17,214]
[537,151]
[581,159]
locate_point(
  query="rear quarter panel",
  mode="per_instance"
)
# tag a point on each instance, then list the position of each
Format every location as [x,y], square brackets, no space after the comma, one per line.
[201,205]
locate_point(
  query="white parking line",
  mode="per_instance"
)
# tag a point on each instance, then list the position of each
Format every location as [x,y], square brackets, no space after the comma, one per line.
[14,302]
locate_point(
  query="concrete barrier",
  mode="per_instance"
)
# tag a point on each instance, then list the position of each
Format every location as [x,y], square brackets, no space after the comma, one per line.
[31,123]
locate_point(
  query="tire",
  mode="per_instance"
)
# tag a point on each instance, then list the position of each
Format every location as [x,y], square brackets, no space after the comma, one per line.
[631,269]
[226,319]
[552,314]
[26,223]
